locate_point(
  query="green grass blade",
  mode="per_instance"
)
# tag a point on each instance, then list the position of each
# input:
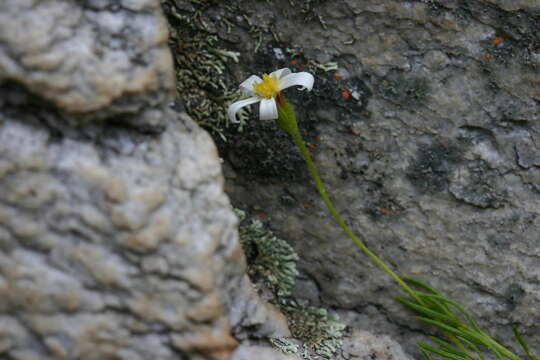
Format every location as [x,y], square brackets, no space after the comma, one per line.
[484,340]
[425,353]
[430,291]
[446,346]
[450,329]
[443,353]
[422,310]
[420,284]
[459,308]
[473,347]
[523,344]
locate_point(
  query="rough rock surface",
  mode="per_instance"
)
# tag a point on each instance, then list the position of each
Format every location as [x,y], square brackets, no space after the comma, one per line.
[116,238]
[426,136]
[360,344]
[97,58]
[118,250]
[248,352]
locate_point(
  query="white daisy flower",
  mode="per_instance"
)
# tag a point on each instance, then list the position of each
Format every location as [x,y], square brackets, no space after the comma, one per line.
[266,90]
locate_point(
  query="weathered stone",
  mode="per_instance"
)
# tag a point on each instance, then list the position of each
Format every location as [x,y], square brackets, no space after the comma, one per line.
[117,240]
[361,344]
[247,352]
[109,56]
[96,244]
[432,161]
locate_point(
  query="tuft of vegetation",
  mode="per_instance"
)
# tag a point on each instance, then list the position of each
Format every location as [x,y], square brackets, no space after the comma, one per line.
[462,339]
[273,261]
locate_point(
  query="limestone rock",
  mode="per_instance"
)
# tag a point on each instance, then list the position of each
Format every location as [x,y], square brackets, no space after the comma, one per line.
[110,56]
[362,344]
[116,238]
[122,250]
[247,352]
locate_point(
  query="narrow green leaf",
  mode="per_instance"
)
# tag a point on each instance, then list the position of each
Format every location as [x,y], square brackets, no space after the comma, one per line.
[459,308]
[496,352]
[425,353]
[482,339]
[420,284]
[454,321]
[434,302]
[440,325]
[443,353]
[473,347]
[449,347]
[523,344]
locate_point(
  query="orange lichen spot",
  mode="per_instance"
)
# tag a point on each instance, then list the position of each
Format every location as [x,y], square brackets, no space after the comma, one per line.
[386,211]
[306,206]
[261,214]
[337,76]
[345,94]
[497,40]
[294,62]
[488,56]
[311,146]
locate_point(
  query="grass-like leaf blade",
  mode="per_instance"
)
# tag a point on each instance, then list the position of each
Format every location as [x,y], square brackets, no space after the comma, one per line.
[459,308]
[446,346]
[523,344]
[425,354]
[422,310]
[445,354]
[473,347]
[421,285]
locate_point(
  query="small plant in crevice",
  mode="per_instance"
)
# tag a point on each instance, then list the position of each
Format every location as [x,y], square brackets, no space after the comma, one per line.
[460,336]
[269,257]
[316,334]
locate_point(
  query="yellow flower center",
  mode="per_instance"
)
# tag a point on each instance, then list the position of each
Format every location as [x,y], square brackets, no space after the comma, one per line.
[268,87]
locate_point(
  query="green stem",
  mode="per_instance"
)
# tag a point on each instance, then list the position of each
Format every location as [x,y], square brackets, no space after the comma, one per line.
[297,138]
[287,121]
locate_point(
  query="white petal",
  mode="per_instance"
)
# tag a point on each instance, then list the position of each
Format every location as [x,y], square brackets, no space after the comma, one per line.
[281,73]
[303,79]
[247,85]
[268,109]
[234,107]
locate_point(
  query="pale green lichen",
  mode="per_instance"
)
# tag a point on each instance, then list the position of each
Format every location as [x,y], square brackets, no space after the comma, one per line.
[286,346]
[320,332]
[270,258]
[203,83]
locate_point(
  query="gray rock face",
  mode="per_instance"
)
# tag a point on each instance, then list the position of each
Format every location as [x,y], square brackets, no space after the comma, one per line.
[116,238]
[361,344]
[118,251]
[109,56]
[427,139]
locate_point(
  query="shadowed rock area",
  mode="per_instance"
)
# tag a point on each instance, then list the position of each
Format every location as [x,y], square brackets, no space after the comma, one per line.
[424,123]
